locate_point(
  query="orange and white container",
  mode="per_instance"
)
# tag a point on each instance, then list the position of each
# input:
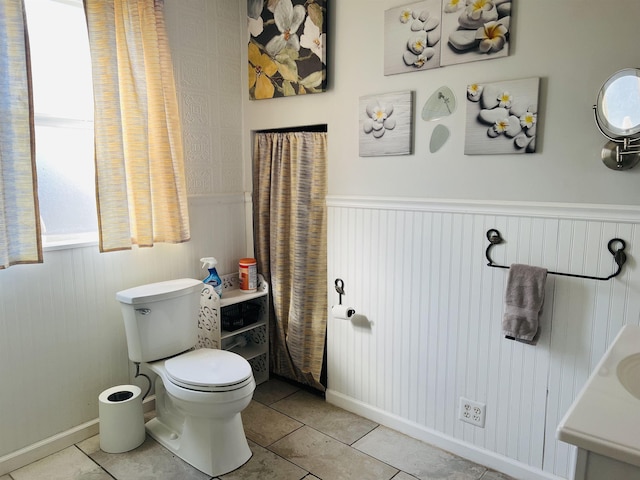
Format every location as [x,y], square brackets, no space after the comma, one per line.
[248,274]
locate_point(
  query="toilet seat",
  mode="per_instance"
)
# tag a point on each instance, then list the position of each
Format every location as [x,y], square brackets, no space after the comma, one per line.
[209,370]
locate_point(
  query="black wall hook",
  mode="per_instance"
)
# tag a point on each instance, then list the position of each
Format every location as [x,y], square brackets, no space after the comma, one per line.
[619,256]
[340,289]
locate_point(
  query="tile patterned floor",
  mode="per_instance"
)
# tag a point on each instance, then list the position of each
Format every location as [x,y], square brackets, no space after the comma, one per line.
[293,434]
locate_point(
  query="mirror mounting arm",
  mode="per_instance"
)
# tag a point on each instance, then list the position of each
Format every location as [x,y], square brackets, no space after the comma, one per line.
[617,154]
[626,145]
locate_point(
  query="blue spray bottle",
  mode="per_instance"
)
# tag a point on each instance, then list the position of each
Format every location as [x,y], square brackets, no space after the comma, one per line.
[213,279]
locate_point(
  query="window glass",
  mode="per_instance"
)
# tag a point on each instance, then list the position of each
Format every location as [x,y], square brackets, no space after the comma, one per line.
[63,102]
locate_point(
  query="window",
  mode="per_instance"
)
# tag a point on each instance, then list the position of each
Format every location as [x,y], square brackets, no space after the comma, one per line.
[63,103]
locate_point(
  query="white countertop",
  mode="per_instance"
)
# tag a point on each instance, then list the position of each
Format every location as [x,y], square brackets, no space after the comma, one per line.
[605,417]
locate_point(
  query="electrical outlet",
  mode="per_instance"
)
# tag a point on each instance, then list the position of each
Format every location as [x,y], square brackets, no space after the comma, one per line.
[472,412]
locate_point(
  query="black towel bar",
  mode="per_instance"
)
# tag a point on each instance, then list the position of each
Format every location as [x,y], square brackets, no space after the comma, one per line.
[619,256]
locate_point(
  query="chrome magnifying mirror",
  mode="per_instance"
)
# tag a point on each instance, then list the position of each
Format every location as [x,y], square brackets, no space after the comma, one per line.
[617,115]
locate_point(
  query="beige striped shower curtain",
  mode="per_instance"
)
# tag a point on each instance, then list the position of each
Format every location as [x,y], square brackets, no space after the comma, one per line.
[290,231]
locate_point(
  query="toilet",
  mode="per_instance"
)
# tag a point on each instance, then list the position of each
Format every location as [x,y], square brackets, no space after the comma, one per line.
[199,392]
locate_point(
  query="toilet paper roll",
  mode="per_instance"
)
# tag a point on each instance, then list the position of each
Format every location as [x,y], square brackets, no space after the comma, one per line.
[342,312]
[121,419]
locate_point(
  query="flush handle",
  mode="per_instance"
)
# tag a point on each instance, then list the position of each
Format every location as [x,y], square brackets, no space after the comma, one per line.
[143,311]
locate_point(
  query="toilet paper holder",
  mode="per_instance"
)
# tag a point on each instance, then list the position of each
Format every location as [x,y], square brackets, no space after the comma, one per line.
[340,311]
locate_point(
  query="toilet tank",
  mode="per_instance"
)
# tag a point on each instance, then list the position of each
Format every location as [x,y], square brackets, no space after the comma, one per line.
[160,319]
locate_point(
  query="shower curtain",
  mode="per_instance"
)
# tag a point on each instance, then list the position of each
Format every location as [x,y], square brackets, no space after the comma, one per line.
[290,234]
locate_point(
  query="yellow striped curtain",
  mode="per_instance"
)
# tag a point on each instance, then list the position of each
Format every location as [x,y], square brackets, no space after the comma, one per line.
[140,180]
[290,230]
[19,216]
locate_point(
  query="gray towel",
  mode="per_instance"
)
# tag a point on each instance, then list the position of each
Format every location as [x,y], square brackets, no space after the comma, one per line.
[523,300]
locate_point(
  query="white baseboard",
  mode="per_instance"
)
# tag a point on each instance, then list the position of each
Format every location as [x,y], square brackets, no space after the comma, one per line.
[470,452]
[55,443]
[48,446]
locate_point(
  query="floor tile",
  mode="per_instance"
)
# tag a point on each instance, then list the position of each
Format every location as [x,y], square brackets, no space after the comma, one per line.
[416,457]
[67,464]
[328,458]
[314,411]
[404,476]
[273,390]
[264,425]
[266,465]
[150,461]
[308,477]
[90,445]
[493,475]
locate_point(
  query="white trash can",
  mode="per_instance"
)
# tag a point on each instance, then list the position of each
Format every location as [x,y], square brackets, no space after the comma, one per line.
[121,419]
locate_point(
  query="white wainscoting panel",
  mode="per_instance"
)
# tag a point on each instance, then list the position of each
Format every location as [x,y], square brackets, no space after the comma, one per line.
[430,310]
[61,332]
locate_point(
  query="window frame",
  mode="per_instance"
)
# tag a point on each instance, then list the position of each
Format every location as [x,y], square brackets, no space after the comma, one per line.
[51,242]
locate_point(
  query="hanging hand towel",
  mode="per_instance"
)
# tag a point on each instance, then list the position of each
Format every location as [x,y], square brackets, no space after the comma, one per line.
[523,301]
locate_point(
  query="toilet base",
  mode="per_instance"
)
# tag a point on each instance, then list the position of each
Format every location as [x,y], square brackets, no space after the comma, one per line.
[202,428]
[214,446]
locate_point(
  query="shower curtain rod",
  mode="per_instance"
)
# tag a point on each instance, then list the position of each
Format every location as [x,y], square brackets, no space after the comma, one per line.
[306,128]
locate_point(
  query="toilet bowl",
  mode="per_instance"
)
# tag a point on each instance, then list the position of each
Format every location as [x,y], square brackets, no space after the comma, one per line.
[199,397]
[199,393]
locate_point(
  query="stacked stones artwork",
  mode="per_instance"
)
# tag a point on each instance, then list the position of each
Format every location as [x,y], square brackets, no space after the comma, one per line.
[436,33]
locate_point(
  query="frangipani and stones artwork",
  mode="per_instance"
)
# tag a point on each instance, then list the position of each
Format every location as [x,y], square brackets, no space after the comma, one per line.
[386,126]
[287,47]
[502,117]
[412,37]
[436,33]
[475,30]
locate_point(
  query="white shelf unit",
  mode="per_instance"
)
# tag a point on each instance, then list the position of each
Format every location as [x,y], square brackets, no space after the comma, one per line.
[236,304]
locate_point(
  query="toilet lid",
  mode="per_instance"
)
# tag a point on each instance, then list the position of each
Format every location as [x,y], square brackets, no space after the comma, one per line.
[206,369]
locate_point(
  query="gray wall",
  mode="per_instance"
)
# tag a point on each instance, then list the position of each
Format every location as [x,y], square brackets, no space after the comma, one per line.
[573,46]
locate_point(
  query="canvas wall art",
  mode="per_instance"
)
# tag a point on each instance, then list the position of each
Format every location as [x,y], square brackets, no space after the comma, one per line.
[412,37]
[502,117]
[436,33]
[386,124]
[287,47]
[475,30]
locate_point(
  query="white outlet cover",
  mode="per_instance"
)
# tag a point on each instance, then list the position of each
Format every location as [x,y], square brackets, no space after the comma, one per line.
[472,412]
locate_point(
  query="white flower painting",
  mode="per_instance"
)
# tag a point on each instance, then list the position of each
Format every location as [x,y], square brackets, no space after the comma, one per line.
[287,44]
[502,117]
[436,33]
[386,126]
[412,37]
[475,30]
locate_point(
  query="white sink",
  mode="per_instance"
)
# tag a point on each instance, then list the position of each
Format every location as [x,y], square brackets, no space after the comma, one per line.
[628,372]
[605,416]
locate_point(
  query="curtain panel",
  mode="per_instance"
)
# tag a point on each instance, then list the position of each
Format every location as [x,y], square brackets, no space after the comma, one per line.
[290,230]
[20,240]
[140,179]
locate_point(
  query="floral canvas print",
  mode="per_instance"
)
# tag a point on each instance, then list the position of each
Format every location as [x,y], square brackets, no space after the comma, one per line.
[287,47]
[386,126]
[502,117]
[475,30]
[412,37]
[436,33]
